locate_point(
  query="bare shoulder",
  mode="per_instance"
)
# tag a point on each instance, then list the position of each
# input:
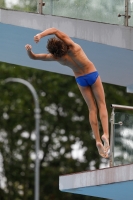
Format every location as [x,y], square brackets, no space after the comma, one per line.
[49,57]
[76,47]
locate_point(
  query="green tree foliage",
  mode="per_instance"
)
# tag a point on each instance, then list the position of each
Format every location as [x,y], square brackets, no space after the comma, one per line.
[26,5]
[64,122]
[2,4]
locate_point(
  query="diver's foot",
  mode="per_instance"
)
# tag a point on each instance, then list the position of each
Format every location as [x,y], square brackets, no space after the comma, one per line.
[101,150]
[106,143]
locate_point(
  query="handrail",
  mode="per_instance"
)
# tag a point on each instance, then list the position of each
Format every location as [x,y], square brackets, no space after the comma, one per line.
[121,107]
[112,121]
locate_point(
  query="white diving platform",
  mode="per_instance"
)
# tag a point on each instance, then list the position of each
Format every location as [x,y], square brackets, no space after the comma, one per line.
[114,183]
[109,47]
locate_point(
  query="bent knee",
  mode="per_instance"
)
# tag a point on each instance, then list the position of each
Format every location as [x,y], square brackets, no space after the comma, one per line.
[102,106]
[93,110]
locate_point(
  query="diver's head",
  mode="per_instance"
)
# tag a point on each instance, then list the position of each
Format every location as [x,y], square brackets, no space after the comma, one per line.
[56,47]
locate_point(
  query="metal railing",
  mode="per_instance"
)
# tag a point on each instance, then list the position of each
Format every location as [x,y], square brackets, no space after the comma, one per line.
[40,5]
[113,123]
[112,12]
[109,11]
[126,15]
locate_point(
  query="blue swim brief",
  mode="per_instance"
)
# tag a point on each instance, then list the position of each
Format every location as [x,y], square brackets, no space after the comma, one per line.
[87,79]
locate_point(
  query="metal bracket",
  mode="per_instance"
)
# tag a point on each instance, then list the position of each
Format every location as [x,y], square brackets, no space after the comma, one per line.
[124,16]
[42,4]
[120,123]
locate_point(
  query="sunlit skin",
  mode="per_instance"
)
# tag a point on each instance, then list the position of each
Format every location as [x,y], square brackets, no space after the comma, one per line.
[94,96]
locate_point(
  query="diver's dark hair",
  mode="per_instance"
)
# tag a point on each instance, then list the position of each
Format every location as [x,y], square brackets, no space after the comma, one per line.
[56,47]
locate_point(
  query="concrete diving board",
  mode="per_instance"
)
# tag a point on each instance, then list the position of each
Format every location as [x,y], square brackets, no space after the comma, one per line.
[112,183]
[109,47]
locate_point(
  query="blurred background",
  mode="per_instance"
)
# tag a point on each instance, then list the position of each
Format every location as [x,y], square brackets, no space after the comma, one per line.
[67,144]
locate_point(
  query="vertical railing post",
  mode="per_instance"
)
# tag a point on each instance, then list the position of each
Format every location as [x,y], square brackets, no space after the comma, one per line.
[126,16]
[126,13]
[40,5]
[112,139]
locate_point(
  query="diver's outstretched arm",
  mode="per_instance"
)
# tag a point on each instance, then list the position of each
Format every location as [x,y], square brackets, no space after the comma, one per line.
[53,31]
[43,56]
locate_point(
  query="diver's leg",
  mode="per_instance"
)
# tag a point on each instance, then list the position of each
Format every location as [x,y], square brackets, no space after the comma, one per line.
[99,95]
[89,98]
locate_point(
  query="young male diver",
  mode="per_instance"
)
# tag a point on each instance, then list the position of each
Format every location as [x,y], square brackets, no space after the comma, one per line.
[64,50]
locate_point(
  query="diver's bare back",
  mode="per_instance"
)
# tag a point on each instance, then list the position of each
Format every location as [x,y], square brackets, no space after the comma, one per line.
[77,60]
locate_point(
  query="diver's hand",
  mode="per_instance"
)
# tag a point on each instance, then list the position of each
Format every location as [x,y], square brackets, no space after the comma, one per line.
[37,38]
[28,47]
